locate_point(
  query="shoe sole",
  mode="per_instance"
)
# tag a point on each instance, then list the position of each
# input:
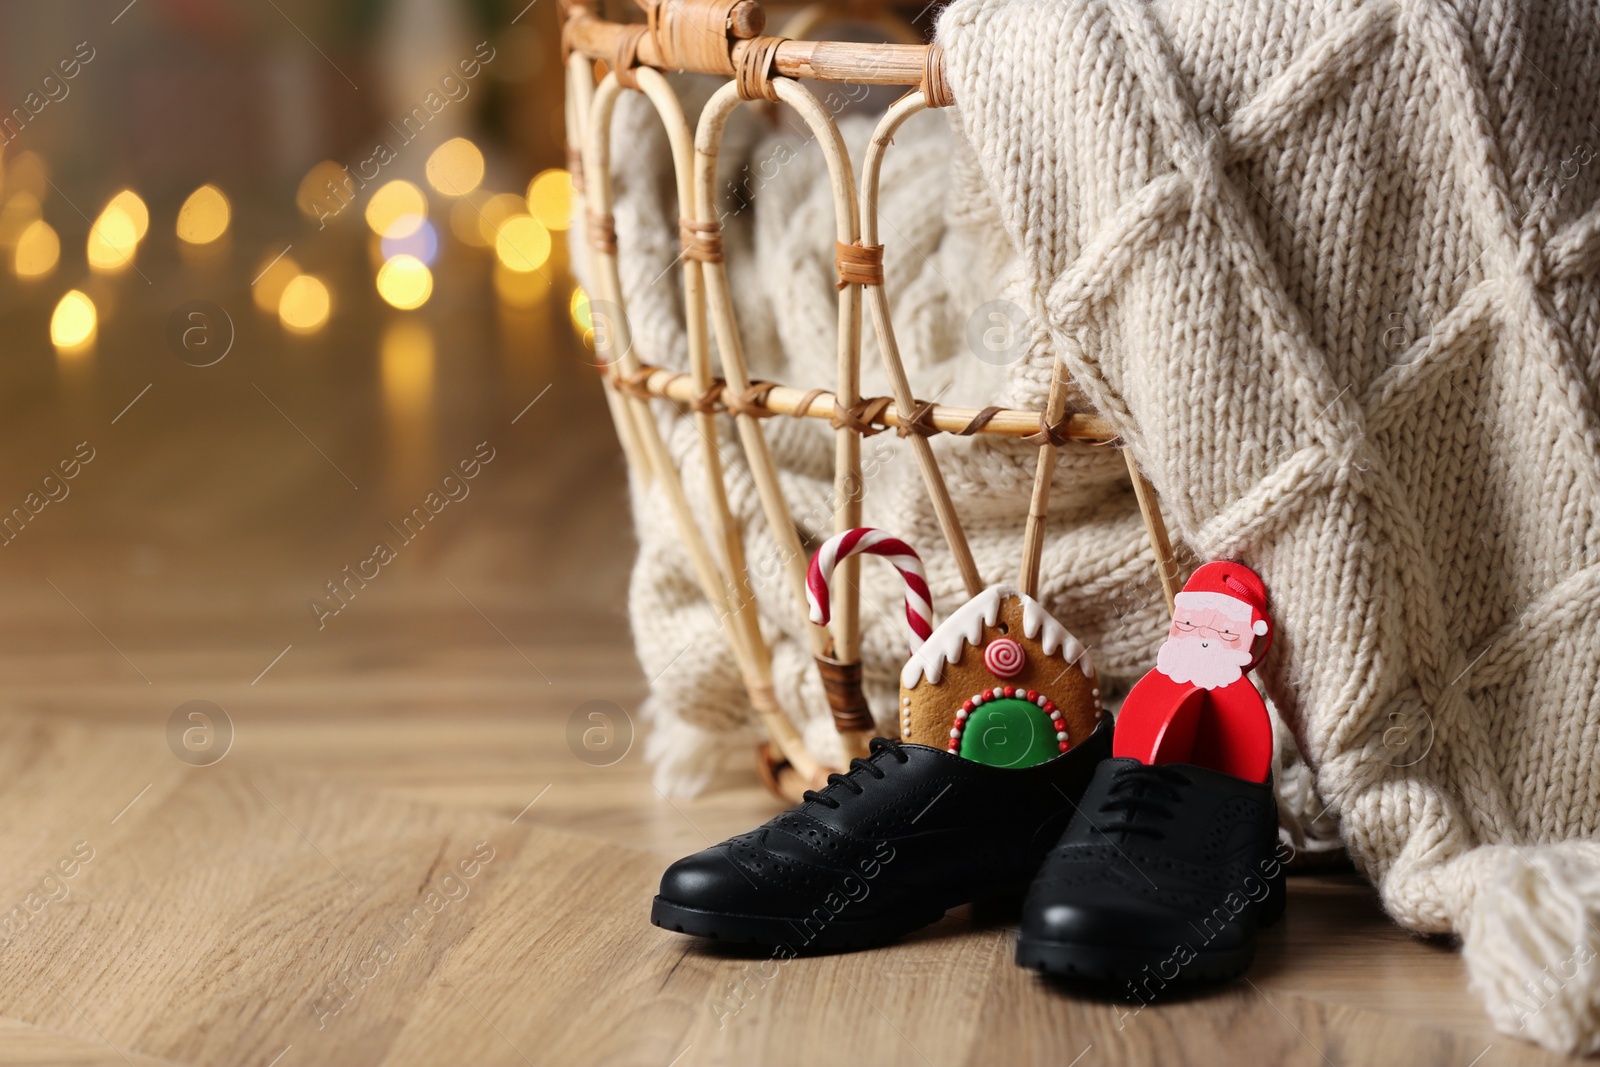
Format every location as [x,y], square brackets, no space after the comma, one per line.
[1122,964]
[812,936]
[800,936]
[1117,965]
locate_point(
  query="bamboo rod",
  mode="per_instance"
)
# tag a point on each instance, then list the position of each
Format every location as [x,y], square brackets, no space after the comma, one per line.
[1039,502]
[787,400]
[597,165]
[742,603]
[878,299]
[730,346]
[847,486]
[1156,529]
[834,61]
[580,98]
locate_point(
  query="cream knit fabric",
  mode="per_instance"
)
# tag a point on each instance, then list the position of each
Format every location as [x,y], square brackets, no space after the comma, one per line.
[1330,269]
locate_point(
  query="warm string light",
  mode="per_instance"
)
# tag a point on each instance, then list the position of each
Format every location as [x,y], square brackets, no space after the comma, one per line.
[204,217]
[113,239]
[273,275]
[456,167]
[305,304]
[405,282]
[21,210]
[73,325]
[396,209]
[37,251]
[582,316]
[550,196]
[494,213]
[133,207]
[518,229]
[522,244]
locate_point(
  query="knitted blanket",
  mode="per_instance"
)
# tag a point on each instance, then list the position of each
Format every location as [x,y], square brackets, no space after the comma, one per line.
[1330,270]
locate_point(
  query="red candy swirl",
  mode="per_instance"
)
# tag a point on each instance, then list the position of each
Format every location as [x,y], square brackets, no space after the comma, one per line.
[1004,657]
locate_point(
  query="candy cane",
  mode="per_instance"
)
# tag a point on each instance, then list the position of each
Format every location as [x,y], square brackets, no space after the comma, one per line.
[867,541]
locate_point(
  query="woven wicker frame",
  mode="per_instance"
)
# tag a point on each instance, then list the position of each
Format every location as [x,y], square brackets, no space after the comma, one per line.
[724,37]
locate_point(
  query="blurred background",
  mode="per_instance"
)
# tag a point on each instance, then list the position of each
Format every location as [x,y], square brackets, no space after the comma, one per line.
[297,418]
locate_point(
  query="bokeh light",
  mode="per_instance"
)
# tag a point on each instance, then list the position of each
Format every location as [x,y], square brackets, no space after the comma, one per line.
[27,173]
[273,275]
[72,326]
[421,243]
[523,244]
[578,308]
[456,167]
[495,211]
[37,250]
[466,220]
[396,209]
[20,211]
[405,282]
[325,191]
[113,239]
[550,199]
[204,217]
[305,304]
[133,206]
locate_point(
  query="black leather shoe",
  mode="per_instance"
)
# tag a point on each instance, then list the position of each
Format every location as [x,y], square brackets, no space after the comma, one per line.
[1163,877]
[907,834]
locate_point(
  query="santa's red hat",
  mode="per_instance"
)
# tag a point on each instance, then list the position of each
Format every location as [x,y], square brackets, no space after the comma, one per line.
[1231,589]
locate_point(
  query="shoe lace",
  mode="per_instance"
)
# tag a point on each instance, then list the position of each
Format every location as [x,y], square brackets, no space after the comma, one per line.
[858,767]
[1139,800]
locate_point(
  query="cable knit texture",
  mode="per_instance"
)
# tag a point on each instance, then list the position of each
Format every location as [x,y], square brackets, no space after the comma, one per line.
[1330,268]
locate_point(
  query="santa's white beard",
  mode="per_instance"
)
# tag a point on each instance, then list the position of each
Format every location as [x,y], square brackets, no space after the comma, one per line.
[1184,660]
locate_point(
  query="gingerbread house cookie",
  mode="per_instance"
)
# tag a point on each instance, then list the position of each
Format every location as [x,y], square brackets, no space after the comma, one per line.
[1000,682]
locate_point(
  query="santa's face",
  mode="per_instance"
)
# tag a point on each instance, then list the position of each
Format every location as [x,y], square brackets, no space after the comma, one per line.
[1211,628]
[1207,648]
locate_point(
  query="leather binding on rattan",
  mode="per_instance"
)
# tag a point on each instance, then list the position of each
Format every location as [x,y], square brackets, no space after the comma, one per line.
[803,408]
[692,34]
[934,88]
[638,383]
[754,69]
[842,684]
[858,264]
[627,55]
[700,241]
[1051,433]
[919,422]
[654,382]
[602,231]
[980,420]
[860,416]
[706,402]
[753,401]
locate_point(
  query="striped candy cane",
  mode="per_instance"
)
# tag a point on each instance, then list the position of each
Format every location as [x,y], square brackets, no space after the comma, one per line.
[867,541]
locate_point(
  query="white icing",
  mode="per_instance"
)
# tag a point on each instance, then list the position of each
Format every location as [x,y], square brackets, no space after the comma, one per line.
[965,627]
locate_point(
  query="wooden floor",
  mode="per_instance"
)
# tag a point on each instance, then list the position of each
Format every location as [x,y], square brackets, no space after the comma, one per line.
[398,859]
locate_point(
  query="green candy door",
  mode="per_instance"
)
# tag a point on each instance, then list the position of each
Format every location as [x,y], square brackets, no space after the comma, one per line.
[1007,732]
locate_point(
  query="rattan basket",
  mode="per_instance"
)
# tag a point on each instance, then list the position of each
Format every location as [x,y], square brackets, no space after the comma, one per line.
[725,37]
